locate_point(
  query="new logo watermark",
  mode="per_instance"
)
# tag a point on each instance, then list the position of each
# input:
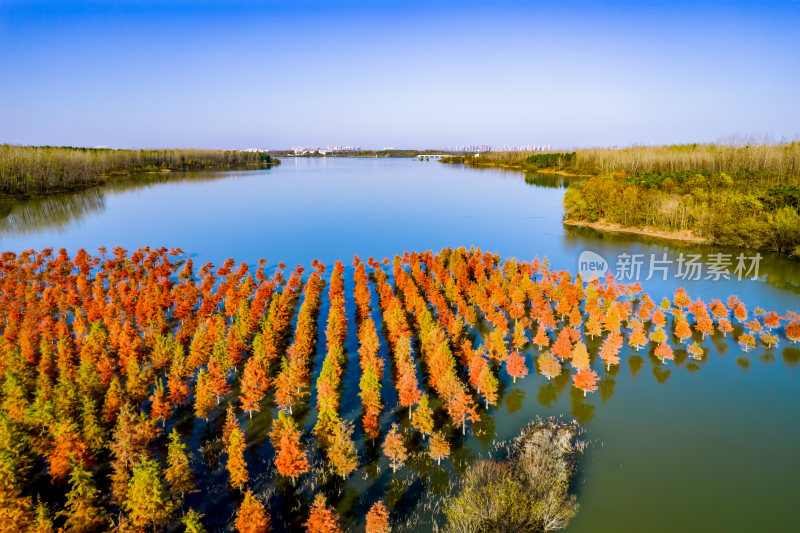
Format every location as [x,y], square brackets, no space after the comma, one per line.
[592,265]
[643,267]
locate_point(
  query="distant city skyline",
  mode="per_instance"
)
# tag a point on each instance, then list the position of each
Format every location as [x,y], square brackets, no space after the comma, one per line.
[244,74]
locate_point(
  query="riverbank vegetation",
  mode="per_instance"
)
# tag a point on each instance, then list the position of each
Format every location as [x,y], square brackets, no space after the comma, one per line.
[528,491]
[745,196]
[782,159]
[138,393]
[751,209]
[35,170]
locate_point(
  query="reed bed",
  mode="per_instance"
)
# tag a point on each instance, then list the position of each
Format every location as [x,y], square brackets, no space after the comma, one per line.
[33,170]
[781,158]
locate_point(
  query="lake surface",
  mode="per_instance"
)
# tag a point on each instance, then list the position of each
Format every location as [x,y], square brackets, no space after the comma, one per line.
[687,446]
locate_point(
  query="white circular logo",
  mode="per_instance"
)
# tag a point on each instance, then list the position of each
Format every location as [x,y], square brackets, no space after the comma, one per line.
[592,265]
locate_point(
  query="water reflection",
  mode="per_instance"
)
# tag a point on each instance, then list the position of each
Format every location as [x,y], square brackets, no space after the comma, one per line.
[514,400]
[550,180]
[49,212]
[635,364]
[774,269]
[791,355]
[581,409]
[57,211]
[607,384]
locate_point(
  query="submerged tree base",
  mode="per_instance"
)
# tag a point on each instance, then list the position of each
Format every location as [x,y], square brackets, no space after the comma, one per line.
[527,491]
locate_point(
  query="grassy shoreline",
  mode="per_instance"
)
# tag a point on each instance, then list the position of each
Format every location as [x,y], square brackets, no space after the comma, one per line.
[33,171]
[684,235]
[743,196]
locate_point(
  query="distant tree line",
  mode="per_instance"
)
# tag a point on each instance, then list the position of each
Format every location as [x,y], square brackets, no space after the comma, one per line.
[637,160]
[389,152]
[32,170]
[555,159]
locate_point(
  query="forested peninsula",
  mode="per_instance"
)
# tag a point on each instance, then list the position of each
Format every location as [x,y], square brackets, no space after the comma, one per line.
[37,170]
[746,196]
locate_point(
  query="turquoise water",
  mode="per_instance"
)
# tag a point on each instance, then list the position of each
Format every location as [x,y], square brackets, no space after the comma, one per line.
[688,446]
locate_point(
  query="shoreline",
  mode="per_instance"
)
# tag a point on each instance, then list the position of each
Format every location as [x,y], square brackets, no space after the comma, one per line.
[113,175]
[521,167]
[682,235]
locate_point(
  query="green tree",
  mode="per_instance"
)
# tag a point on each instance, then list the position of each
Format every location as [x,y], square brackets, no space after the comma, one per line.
[148,502]
[193,522]
[179,472]
[82,512]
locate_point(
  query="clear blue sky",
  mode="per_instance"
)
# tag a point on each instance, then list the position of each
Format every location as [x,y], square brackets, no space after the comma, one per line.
[405,74]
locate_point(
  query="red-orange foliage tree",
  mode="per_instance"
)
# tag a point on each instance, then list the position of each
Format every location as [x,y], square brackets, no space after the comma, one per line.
[322,518]
[586,380]
[394,448]
[290,460]
[378,519]
[515,365]
[251,516]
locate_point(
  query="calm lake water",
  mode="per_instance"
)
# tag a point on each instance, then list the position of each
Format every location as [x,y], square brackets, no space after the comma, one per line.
[688,446]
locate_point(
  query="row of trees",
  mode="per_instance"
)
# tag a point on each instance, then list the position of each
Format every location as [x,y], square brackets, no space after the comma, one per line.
[105,358]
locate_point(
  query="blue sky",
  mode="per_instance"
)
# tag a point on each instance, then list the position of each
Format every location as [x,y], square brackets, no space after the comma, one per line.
[404,74]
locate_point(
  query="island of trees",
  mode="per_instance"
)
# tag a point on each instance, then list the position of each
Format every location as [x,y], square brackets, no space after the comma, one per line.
[746,196]
[136,390]
[36,170]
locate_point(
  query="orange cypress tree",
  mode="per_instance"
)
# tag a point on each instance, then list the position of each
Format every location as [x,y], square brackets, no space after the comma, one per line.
[792,331]
[637,338]
[461,408]
[160,408]
[290,460]
[696,351]
[682,329]
[394,449]
[284,388]
[563,346]
[610,349]
[439,448]
[237,467]
[580,356]
[409,391]
[342,451]
[586,380]
[115,399]
[68,450]
[204,400]
[515,365]
[422,417]
[549,365]
[378,519]
[251,516]
[541,339]
[664,352]
[594,326]
[322,518]
[724,326]
[704,324]
[254,385]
